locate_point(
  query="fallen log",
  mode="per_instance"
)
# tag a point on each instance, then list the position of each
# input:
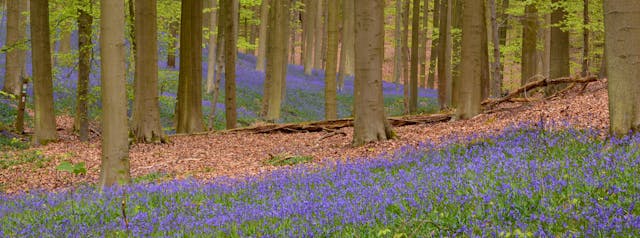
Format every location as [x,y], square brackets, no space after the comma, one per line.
[333,125]
[536,84]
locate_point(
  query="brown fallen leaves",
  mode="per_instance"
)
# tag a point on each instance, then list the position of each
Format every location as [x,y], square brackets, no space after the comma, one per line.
[243,154]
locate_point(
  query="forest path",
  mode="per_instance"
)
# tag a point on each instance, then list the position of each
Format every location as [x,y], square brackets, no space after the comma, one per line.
[243,154]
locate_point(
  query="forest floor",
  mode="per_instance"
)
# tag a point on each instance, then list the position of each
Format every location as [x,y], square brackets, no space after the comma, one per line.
[241,154]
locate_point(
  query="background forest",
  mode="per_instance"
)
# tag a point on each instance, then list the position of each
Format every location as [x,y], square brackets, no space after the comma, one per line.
[372,118]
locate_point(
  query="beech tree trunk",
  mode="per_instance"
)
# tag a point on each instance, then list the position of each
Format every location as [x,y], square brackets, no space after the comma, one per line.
[189,104]
[496,81]
[309,36]
[84,70]
[114,168]
[424,43]
[415,42]
[229,14]
[622,34]
[45,120]
[405,54]
[211,50]
[171,51]
[347,52]
[444,56]
[146,126]
[397,60]
[330,88]
[319,33]
[559,49]
[277,53]
[471,62]
[370,123]
[435,48]
[529,44]
[262,40]
[15,37]
[585,39]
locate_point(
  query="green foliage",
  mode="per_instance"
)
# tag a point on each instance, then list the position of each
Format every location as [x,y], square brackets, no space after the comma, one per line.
[75,169]
[13,158]
[288,160]
[152,177]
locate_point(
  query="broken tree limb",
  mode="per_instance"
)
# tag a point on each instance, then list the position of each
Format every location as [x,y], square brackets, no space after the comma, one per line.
[536,84]
[333,125]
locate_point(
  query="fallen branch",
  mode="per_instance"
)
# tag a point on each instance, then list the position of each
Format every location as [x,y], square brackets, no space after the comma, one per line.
[536,84]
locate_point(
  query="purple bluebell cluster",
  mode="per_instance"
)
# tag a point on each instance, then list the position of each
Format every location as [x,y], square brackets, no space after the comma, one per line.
[527,182]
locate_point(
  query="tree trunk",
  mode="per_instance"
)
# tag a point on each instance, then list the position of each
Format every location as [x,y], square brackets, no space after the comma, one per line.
[559,49]
[456,44]
[496,82]
[330,88]
[229,9]
[405,54]
[585,39]
[471,61]
[397,60]
[15,56]
[114,168]
[171,51]
[84,70]
[220,65]
[277,56]
[444,56]
[45,120]
[485,75]
[211,50]
[319,21]
[435,48]
[146,126]
[529,44]
[502,34]
[415,42]
[189,105]
[262,40]
[309,39]
[424,43]
[347,52]
[370,122]
[622,34]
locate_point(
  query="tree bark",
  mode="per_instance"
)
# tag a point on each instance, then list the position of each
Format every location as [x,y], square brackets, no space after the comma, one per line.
[347,52]
[15,38]
[559,49]
[622,34]
[435,48]
[319,39]
[444,56]
[146,126]
[309,39]
[229,11]
[529,44]
[496,82]
[585,39]
[405,54]
[84,70]
[397,61]
[330,88]
[415,54]
[211,50]
[171,51]
[114,168]
[262,40]
[370,122]
[424,43]
[189,105]
[471,62]
[277,53]
[45,120]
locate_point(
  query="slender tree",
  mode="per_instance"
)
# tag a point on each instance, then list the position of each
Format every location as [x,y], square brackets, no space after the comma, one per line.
[347,52]
[146,126]
[229,15]
[529,44]
[114,168]
[173,45]
[585,38]
[262,40]
[15,38]
[189,105]
[45,121]
[444,56]
[622,34]
[415,42]
[84,69]
[397,60]
[406,11]
[370,123]
[318,50]
[309,36]
[330,88]
[424,44]
[211,50]
[496,80]
[471,61]
[435,48]
[559,65]
[277,55]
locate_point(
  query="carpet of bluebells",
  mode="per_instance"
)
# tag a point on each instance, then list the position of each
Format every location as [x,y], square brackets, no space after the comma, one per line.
[526,182]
